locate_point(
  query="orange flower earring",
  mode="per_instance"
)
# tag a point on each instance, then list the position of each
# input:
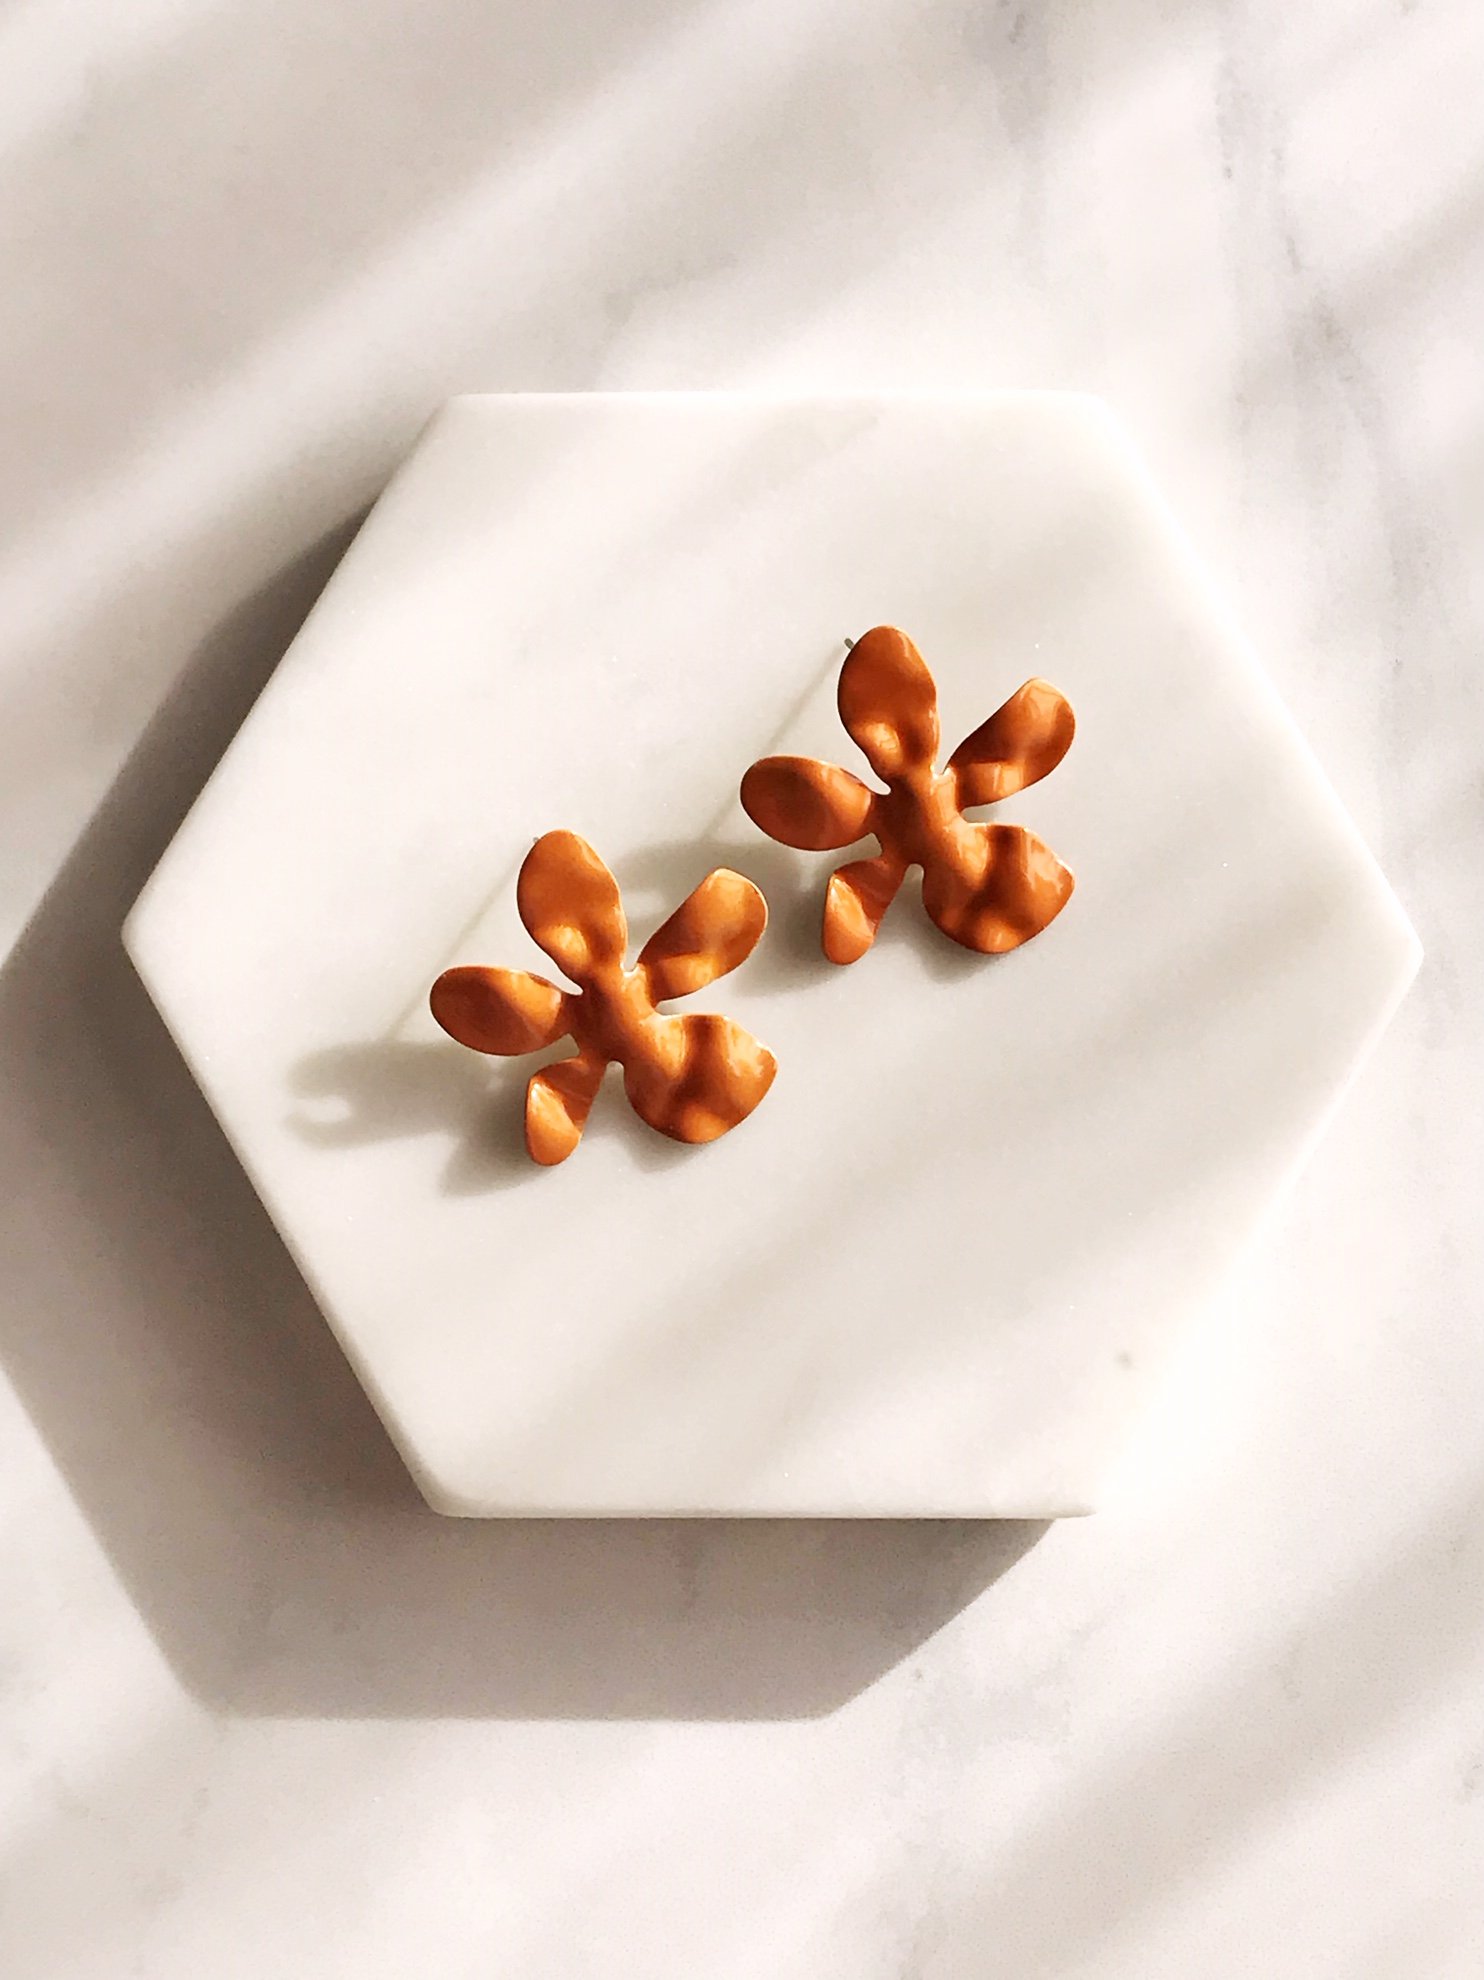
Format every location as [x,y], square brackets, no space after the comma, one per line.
[988,887]
[692,1078]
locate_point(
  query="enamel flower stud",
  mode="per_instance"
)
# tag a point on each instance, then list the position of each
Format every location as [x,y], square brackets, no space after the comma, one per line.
[988,887]
[692,1078]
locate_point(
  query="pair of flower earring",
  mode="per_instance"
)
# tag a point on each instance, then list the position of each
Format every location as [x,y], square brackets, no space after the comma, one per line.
[987,887]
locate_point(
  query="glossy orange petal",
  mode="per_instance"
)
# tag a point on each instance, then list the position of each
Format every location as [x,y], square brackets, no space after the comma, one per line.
[802,802]
[855,901]
[559,1099]
[1022,742]
[570,903]
[889,702]
[714,928]
[703,1075]
[507,1011]
[1011,890]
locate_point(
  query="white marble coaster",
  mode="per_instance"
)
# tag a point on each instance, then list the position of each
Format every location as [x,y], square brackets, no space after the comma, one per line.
[938,1269]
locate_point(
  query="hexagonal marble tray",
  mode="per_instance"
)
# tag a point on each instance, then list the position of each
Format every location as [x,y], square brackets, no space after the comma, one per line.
[938,1269]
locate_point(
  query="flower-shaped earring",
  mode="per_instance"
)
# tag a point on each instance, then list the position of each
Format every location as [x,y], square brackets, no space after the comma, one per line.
[692,1078]
[988,887]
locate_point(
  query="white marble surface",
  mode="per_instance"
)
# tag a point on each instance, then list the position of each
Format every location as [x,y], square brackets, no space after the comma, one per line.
[262,1714]
[942,1271]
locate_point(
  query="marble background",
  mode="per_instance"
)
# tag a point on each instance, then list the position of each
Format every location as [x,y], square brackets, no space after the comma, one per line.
[260,1715]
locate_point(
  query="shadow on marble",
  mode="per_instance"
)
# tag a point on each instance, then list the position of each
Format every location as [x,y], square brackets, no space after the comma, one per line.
[1279,1723]
[209,1428]
[164,137]
[384,1089]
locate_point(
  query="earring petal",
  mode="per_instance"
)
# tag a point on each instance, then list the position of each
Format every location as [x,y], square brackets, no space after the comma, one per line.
[802,802]
[505,1011]
[1022,742]
[855,902]
[889,703]
[570,903]
[707,1075]
[1013,889]
[716,927]
[559,1099]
